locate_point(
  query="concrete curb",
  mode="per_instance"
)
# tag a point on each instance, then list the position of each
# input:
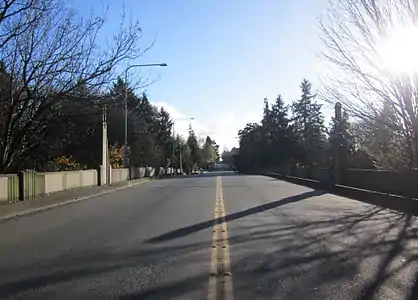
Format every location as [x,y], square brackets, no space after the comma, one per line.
[74,200]
[394,202]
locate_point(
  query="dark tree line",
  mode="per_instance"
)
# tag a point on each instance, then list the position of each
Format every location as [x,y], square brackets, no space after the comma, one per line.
[296,135]
[285,135]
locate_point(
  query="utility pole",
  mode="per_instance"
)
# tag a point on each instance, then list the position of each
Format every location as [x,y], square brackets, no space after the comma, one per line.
[125,104]
[337,145]
[104,168]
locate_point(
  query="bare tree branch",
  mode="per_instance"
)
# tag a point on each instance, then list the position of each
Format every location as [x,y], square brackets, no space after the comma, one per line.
[351,32]
[48,58]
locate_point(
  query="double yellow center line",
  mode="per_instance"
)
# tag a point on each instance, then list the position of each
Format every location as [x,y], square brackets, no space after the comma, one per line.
[220,280]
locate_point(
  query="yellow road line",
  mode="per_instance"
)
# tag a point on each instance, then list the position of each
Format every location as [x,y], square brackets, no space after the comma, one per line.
[212,286]
[220,279]
[228,287]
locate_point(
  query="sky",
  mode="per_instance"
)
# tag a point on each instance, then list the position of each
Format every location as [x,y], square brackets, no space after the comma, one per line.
[224,57]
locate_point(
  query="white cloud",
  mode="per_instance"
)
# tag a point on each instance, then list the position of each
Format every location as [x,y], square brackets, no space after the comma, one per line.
[180,127]
[223,126]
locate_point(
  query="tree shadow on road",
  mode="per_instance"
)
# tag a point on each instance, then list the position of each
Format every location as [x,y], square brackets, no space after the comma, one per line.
[366,249]
[153,252]
[178,233]
[141,270]
[368,253]
[359,252]
[178,288]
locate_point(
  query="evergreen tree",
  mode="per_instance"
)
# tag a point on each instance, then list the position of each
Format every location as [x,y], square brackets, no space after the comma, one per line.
[309,125]
[340,137]
[164,135]
[210,153]
[249,147]
[146,149]
[281,133]
[266,135]
[194,148]
[387,147]
[229,157]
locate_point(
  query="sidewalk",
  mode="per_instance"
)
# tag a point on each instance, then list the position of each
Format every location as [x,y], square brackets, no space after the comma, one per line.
[48,201]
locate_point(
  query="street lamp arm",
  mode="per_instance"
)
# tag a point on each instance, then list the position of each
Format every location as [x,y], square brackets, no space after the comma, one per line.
[145,65]
[139,66]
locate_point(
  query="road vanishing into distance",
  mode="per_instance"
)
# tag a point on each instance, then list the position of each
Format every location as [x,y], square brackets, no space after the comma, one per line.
[211,236]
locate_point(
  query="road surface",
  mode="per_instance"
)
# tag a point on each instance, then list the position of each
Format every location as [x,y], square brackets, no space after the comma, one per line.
[159,241]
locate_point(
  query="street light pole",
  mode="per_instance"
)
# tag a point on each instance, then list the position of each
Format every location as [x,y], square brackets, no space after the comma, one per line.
[181,162]
[125,101]
[174,137]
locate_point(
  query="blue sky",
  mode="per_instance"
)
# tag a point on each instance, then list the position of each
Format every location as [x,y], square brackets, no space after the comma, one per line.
[223,57]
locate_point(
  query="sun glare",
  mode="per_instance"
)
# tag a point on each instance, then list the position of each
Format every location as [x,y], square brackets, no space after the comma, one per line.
[399,51]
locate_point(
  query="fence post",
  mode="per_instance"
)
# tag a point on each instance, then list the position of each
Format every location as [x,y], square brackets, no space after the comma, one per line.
[109,174]
[99,175]
[13,188]
[20,175]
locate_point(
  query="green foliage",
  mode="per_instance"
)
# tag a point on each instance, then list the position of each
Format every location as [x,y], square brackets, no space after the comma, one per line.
[149,129]
[308,124]
[340,136]
[210,153]
[64,163]
[192,143]
[301,139]
[280,139]
[229,157]
[116,156]
[385,146]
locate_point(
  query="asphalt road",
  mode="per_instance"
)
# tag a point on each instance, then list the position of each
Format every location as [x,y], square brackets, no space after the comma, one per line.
[154,242]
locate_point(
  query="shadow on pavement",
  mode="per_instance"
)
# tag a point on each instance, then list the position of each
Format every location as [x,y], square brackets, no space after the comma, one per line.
[303,258]
[166,291]
[332,250]
[347,254]
[326,253]
[353,255]
[203,225]
[89,269]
